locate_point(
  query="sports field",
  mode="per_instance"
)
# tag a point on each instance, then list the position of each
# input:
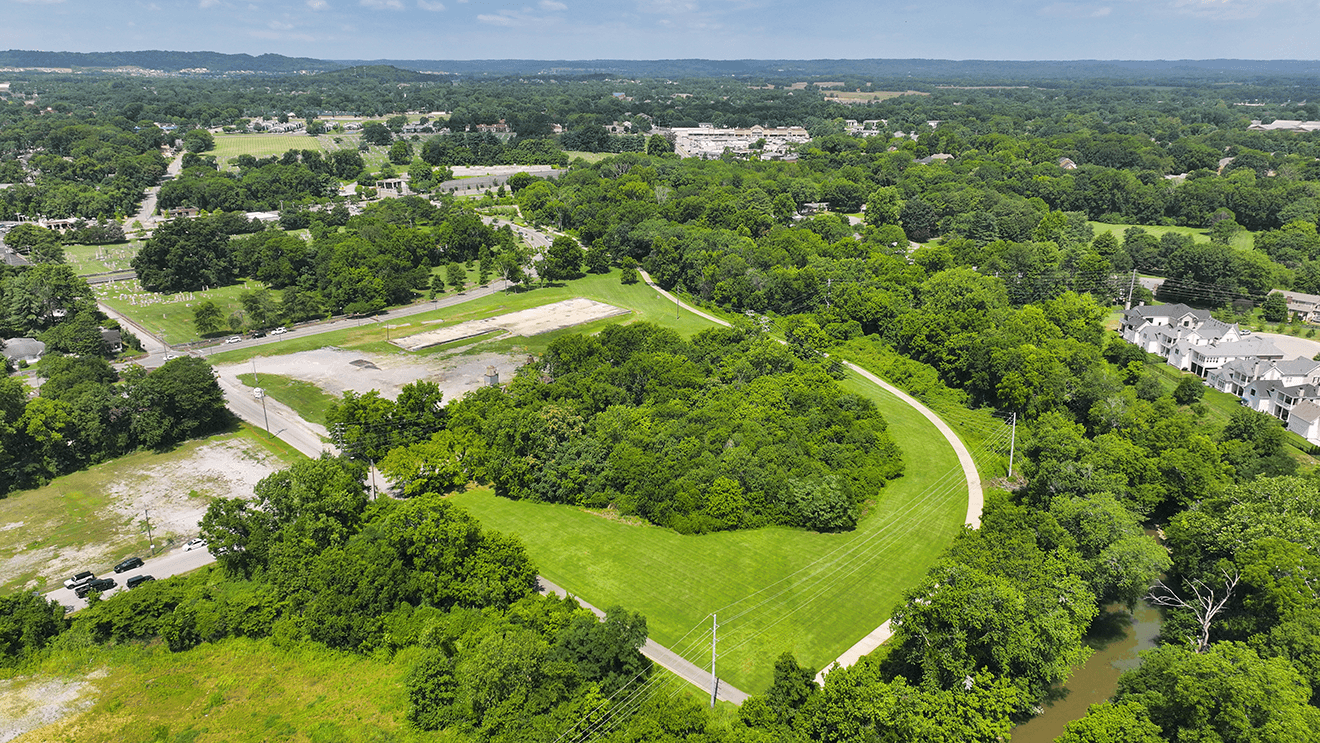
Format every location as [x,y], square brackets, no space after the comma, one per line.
[229,146]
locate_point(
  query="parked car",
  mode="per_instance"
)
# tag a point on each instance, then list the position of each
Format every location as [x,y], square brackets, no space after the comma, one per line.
[281,330]
[95,584]
[79,579]
[193,544]
[233,339]
[129,564]
[137,580]
[257,334]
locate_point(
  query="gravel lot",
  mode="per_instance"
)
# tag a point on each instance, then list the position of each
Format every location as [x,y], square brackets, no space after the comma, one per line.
[334,370]
[533,321]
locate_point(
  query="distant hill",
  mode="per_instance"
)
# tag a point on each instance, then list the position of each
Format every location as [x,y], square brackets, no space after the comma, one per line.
[167,61]
[378,73]
[878,68]
[988,71]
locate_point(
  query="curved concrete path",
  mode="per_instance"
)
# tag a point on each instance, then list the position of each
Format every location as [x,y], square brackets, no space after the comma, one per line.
[975,497]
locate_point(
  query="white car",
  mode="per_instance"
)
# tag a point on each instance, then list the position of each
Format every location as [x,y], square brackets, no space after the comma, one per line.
[279,331]
[193,544]
[234,339]
[172,356]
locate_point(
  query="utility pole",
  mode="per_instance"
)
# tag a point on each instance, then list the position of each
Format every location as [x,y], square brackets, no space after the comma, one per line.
[373,478]
[264,414]
[1131,287]
[714,680]
[146,513]
[1012,446]
[829,283]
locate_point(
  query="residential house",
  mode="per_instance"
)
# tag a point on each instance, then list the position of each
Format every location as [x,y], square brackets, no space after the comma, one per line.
[1203,359]
[1307,306]
[27,350]
[1234,376]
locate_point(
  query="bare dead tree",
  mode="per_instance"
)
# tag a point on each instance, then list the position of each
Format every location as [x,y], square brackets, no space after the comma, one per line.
[1207,602]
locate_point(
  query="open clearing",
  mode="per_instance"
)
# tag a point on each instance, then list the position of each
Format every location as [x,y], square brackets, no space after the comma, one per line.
[28,704]
[1243,240]
[533,321]
[90,520]
[337,370]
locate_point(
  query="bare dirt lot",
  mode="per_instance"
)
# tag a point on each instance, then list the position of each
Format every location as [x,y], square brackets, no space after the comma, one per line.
[26,705]
[90,520]
[532,321]
[336,370]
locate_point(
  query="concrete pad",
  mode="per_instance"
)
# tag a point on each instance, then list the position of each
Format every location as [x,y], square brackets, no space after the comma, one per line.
[527,322]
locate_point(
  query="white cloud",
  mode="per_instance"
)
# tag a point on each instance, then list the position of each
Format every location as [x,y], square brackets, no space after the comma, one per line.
[552,5]
[383,4]
[280,26]
[40,2]
[504,18]
[425,5]
[1072,10]
[668,7]
[1224,10]
[207,3]
[317,4]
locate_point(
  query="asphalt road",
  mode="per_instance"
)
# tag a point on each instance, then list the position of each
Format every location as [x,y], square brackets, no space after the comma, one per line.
[163,565]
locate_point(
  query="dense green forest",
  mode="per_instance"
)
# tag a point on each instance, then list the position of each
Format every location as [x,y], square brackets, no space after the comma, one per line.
[979,280]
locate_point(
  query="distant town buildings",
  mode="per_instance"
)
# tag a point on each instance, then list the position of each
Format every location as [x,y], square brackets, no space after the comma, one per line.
[708,142]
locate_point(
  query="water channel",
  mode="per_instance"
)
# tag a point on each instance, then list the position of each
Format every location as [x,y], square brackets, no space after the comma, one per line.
[1116,636]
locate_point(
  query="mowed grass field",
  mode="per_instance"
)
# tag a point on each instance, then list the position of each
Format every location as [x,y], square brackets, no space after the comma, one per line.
[774,589]
[1243,240]
[228,146]
[171,314]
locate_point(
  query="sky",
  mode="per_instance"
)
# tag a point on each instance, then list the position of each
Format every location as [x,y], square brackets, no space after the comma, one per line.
[673,29]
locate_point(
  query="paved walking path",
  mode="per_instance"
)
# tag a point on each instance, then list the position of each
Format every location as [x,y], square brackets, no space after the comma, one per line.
[660,655]
[975,497]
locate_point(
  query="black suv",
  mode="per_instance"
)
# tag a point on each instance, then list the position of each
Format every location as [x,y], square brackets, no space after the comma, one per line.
[137,580]
[129,564]
[95,584]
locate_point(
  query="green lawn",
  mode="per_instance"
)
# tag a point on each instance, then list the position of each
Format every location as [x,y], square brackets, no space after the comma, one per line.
[306,399]
[590,157]
[228,146]
[813,594]
[170,314]
[1244,240]
[72,514]
[90,259]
